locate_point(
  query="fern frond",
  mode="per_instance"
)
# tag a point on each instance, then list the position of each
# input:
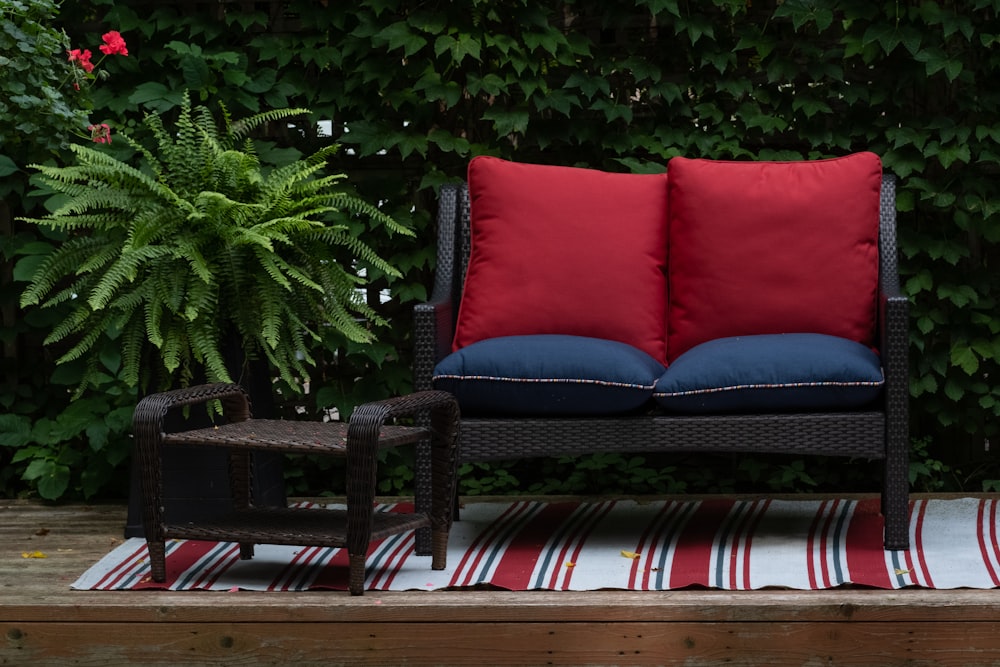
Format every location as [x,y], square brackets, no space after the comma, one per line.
[361,250]
[269,263]
[205,346]
[76,321]
[189,251]
[83,346]
[271,321]
[63,262]
[201,300]
[241,128]
[153,317]
[133,340]
[174,347]
[357,206]
[124,270]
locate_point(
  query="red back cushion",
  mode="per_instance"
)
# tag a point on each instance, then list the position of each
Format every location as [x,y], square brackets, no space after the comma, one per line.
[772,247]
[563,250]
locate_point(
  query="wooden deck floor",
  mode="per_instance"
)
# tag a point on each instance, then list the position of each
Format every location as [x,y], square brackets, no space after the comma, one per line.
[43,622]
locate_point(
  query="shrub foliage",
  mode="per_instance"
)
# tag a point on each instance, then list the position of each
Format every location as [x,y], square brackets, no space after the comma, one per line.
[414,88]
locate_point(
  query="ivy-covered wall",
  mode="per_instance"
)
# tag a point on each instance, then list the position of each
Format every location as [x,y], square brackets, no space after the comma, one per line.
[413,88]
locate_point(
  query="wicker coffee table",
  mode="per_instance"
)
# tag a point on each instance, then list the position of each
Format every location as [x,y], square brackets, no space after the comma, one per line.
[369,431]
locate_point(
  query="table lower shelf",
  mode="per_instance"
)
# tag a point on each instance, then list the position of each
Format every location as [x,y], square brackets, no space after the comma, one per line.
[292,526]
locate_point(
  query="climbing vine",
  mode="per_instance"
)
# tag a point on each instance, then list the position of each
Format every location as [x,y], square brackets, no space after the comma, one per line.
[413,88]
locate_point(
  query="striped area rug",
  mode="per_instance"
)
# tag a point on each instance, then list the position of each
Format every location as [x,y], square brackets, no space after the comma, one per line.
[623,544]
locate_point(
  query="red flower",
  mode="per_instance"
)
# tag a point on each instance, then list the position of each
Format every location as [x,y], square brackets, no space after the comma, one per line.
[101,134]
[113,44]
[82,58]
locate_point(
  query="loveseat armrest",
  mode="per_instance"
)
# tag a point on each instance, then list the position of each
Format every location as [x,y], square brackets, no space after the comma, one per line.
[894,345]
[433,333]
[893,307]
[434,321]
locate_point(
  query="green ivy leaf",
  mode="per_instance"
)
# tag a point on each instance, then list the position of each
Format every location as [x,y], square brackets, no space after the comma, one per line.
[696,26]
[952,153]
[7,166]
[965,358]
[15,430]
[399,36]
[661,6]
[589,85]
[549,40]
[507,122]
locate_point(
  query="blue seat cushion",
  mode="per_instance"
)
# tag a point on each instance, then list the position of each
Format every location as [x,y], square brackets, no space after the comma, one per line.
[548,375]
[771,373]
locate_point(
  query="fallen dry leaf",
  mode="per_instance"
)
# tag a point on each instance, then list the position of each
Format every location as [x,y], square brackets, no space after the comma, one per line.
[33,554]
[570,564]
[898,571]
[630,554]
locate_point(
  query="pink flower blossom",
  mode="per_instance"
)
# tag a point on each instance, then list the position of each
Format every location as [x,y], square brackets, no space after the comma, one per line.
[101,134]
[113,44]
[81,58]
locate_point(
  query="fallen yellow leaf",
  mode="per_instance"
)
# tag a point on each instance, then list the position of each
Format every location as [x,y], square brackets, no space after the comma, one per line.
[33,554]
[898,571]
[630,554]
[570,564]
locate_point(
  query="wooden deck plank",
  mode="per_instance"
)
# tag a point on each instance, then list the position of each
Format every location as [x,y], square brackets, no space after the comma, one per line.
[593,643]
[43,622]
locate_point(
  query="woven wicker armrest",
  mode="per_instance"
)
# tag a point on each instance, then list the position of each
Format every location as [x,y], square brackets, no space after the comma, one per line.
[439,411]
[434,321]
[403,406]
[151,410]
[432,342]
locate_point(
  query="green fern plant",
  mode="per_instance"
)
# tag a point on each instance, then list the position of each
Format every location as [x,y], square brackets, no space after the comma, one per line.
[198,243]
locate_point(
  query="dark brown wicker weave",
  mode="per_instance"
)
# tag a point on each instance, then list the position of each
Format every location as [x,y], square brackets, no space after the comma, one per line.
[358,442]
[881,433]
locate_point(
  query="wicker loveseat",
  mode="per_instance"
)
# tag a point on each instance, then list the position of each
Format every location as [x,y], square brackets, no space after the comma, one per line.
[720,307]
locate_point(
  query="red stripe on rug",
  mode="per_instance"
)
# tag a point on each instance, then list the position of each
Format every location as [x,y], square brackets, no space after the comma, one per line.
[811,546]
[301,558]
[180,559]
[866,559]
[986,533]
[600,511]
[468,569]
[334,575]
[124,569]
[388,568]
[824,539]
[521,557]
[748,542]
[692,561]
[918,546]
[654,538]
[209,575]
